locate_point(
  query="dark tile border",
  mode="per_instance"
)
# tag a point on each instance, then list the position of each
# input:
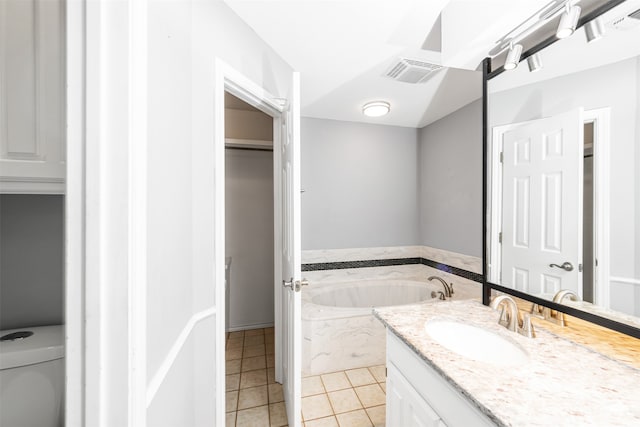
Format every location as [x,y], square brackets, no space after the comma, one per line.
[341,265]
[476,277]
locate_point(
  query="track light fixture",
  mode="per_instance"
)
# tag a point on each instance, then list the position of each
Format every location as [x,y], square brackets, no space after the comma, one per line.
[568,21]
[534,62]
[513,57]
[594,29]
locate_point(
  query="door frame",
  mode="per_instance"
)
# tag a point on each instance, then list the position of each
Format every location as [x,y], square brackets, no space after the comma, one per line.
[105,373]
[601,119]
[227,79]
[601,140]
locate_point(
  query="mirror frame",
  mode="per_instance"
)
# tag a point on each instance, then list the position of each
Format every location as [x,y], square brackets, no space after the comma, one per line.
[488,74]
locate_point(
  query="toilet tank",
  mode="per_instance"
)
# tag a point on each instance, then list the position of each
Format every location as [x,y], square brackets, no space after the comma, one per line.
[32,377]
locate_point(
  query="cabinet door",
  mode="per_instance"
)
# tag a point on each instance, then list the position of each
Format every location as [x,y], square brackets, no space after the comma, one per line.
[405,406]
[32,82]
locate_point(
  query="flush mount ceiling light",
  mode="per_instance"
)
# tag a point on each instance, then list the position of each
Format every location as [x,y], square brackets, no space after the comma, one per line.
[568,21]
[534,62]
[376,108]
[513,57]
[594,30]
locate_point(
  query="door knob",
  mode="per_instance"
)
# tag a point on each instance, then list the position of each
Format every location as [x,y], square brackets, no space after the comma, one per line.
[295,285]
[300,283]
[567,266]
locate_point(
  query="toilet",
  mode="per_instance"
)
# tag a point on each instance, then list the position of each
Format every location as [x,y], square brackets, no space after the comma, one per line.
[32,377]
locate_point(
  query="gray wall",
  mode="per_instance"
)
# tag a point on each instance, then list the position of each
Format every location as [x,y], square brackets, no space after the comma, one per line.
[31,260]
[360,183]
[450,181]
[249,236]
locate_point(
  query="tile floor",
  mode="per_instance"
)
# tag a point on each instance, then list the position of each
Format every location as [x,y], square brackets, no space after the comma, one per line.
[353,398]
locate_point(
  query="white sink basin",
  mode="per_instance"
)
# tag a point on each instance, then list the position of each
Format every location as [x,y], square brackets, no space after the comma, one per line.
[476,343]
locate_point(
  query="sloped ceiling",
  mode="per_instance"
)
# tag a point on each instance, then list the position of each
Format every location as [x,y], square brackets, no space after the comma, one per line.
[342,48]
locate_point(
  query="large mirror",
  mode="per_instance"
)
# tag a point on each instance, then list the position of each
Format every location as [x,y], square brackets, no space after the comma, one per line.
[563,156]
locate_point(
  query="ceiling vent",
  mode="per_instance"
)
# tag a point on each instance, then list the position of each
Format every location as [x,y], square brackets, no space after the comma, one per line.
[411,70]
[626,21]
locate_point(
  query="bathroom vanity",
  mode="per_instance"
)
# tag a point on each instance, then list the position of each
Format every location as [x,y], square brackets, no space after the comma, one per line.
[418,396]
[528,382]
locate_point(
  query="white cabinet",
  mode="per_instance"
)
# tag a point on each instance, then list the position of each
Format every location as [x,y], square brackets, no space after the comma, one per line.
[405,406]
[32,96]
[417,396]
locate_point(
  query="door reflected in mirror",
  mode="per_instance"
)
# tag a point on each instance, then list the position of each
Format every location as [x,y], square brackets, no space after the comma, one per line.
[564,183]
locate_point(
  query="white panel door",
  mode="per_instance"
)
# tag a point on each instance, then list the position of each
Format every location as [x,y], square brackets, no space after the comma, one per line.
[291,255]
[542,198]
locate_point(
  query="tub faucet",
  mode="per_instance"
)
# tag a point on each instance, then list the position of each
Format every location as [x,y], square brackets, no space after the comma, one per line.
[448,288]
[438,294]
[510,317]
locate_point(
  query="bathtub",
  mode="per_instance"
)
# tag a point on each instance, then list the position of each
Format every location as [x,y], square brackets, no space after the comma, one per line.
[339,331]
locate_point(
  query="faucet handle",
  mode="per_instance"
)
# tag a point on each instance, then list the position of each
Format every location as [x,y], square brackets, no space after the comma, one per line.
[527,326]
[504,319]
[560,318]
[537,310]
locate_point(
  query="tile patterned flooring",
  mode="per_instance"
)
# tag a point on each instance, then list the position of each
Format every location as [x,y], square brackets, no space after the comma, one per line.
[352,398]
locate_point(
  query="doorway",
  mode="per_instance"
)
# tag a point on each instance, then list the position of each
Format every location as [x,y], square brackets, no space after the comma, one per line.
[588,225]
[252,391]
[285,114]
[593,162]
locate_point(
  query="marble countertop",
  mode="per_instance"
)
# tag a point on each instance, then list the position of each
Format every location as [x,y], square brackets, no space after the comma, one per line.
[563,383]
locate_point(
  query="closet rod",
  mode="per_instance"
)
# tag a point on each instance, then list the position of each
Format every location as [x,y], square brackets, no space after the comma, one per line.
[248,148]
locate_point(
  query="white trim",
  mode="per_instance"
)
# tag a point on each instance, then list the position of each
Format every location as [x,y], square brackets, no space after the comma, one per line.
[277,238]
[14,185]
[250,327]
[601,180]
[628,280]
[137,221]
[94,404]
[227,79]
[106,213]
[495,215]
[74,216]
[219,244]
[170,358]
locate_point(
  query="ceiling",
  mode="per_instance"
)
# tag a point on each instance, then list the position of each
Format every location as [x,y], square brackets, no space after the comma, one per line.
[342,48]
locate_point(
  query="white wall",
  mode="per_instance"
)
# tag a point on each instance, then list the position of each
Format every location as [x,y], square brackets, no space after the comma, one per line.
[360,183]
[185,38]
[450,181]
[249,237]
[615,86]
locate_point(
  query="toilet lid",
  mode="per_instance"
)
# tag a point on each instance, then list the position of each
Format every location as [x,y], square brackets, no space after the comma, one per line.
[45,344]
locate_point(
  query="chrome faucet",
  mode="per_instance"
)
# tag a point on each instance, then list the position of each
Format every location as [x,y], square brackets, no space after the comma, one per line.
[510,316]
[448,288]
[554,315]
[559,297]
[562,294]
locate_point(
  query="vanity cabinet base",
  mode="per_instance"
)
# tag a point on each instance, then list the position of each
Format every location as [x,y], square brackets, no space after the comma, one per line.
[418,396]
